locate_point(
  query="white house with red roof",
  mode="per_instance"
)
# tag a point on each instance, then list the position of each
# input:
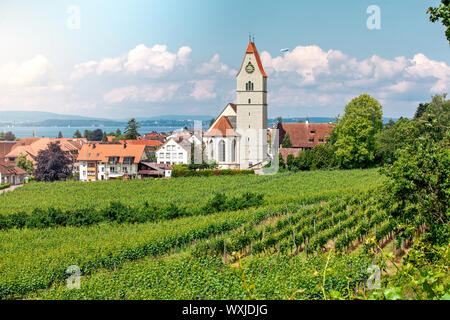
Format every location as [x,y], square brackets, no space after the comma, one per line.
[238,137]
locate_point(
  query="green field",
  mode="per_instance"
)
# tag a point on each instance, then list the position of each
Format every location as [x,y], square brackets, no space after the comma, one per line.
[282,241]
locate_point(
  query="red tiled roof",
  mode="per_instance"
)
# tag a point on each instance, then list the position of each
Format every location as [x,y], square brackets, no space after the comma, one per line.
[252,49]
[5,148]
[300,134]
[9,168]
[102,152]
[222,128]
[149,143]
[30,147]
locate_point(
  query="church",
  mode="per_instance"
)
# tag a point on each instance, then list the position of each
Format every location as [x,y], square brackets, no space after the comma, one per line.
[238,137]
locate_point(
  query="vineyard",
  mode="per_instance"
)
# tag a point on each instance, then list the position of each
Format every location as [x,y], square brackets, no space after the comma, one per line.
[272,245]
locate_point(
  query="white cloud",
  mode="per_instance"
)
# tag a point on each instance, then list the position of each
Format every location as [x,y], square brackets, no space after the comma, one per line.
[82,69]
[25,73]
[109,65]
[214,66]
[203,90]
[147,93]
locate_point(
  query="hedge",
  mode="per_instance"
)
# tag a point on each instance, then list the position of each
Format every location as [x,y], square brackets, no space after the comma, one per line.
[185,172]
[5,186]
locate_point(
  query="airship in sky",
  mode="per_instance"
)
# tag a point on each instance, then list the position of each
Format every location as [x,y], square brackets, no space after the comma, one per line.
[284,50]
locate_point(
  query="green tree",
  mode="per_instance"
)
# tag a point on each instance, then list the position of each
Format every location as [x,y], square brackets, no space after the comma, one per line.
[211,122]
[419,178]
[118,133]
[77,134]
[87,134]
[441,13]
[2,136]
[60,135]
[393,138]
[131,130]
[356,131]
[420,110]
[25,164]
[9,136]
[322,156]
[286,143]
[105,137]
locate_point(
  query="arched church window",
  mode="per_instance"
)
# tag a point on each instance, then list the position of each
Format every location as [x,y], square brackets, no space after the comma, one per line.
[249,101]
[222,151]
[249,86]
[233,151]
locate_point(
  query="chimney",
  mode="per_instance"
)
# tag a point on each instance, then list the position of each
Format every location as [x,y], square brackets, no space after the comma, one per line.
[124,145]
[93,146]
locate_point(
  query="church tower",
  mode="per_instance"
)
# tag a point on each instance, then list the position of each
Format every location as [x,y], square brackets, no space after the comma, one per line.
[251,120]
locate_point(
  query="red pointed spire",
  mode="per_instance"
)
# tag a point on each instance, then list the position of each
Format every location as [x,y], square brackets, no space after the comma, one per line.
[252,49]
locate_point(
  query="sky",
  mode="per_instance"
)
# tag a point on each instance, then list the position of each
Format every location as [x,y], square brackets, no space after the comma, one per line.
[122,59]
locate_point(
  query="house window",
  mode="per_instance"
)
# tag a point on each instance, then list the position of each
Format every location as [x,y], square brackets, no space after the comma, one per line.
[222,151]
[320,140]
[112,169]
[168,155]
[180,155]
[91,164]
[128,160]
[249,101]
[125,169]
[313,131]
[113,160]
[233,151]
[311,140]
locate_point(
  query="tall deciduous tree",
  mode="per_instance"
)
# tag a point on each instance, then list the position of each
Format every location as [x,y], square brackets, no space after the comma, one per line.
[441,13]
[131,130]
[53,164]
[356,131]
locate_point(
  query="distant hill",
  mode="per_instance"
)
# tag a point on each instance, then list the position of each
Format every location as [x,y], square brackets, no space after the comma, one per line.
[35,116]
[176,117]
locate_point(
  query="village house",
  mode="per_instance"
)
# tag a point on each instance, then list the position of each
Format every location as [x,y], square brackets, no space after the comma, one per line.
[177,149]
[155,170]
[159,136]
[11,174]
[104,161]
[152,145]
[303,136]
[30,147]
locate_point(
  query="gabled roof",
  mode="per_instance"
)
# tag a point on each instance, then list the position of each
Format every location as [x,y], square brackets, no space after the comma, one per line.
[301,133]
[9,168]
[252,49]
[149,143]
[5,148]
[102,152]
[222,128]
[31,146]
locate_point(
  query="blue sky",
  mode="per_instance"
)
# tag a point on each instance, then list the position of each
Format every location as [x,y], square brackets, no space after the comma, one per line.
[147,58]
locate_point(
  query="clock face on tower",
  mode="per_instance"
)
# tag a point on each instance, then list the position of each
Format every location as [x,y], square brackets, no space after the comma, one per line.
[249,68]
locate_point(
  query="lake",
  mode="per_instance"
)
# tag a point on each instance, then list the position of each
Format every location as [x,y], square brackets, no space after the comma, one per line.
[67,132]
